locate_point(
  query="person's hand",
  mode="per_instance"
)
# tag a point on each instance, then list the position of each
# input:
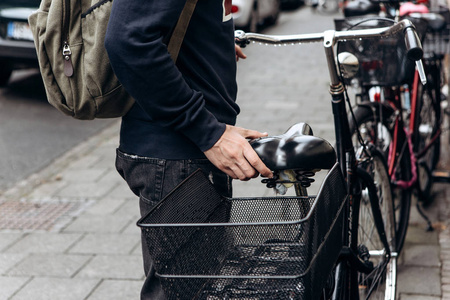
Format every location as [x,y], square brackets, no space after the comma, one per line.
[233,154]
[239,52]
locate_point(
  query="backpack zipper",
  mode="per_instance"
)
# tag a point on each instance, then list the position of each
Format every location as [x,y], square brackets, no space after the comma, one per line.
[66,52]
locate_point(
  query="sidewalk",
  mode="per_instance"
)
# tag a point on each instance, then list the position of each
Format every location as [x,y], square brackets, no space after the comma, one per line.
[75,233]
[69,233]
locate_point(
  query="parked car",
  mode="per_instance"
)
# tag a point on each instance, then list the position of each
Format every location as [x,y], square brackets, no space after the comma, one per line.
[16,41]
[250,14]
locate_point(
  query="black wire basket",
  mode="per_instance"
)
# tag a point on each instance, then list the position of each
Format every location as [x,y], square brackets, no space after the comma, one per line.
[382,61]
[206,246]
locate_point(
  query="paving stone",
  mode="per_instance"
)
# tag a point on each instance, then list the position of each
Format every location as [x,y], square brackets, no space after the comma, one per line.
[107,161]
[82,175]
[419,280]
[121,191]
[113,267]
[49,189]
[129,209]
[9,260]
[417,297]
[422,255]
[113,175]
[9,238]
[132,229]
[51,265]
[446,266]
[85,190]
[418,235]
[432,212]
[57,288]
[117,290]
[84,162]
[11,285]
[98,223]
[137,250]
[105,244]
[45,243]
[105,206]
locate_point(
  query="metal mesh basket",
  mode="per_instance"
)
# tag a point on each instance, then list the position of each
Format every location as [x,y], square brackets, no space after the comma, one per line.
[206,246]
[383,61]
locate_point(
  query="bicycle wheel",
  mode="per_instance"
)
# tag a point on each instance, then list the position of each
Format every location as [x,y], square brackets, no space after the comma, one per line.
[376,125]
[426,138]
[375,211]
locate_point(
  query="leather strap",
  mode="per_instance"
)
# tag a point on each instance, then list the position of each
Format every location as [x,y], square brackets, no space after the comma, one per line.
[180,29]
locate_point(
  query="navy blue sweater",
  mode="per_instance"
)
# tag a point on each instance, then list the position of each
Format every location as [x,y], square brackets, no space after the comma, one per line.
[181,110]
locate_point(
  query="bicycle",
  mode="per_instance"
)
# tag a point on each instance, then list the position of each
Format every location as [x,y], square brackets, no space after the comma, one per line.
[409,104]
[339,244]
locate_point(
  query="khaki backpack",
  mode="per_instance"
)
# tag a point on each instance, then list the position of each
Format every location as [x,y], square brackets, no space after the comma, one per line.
[69,38]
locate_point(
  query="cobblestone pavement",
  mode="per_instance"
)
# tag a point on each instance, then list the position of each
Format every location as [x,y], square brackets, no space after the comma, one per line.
[68,232]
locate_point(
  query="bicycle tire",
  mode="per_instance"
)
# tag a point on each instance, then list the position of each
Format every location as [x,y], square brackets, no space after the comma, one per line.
[373,120]
[426,126]
[374,210]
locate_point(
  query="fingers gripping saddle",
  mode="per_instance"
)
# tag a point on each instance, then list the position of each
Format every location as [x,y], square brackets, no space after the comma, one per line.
[297,150]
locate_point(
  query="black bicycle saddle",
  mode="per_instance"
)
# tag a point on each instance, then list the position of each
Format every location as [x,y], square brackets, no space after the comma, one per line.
[296,149]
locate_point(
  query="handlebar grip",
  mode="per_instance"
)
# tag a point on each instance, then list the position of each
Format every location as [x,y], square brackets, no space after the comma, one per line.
[413,46]
[240,38]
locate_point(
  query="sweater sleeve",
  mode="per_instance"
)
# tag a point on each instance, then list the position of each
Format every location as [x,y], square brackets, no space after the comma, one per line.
[140,60]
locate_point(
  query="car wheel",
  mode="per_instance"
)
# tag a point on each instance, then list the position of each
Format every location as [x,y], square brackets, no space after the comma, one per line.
[5,72]
[253,21]
[292,4]
[274,17]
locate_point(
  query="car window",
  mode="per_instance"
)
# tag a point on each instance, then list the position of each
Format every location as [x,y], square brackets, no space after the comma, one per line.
[20,3]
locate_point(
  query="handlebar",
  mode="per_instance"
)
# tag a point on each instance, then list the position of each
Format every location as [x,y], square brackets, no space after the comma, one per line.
[412,42]
[413,45]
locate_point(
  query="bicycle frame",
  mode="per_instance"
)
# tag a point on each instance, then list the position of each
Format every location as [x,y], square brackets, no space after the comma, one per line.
[347,158]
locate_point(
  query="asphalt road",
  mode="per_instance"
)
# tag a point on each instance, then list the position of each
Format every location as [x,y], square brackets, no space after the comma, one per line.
[32,132]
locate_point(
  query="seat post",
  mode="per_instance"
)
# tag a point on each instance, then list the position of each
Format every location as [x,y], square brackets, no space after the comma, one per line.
[300,190]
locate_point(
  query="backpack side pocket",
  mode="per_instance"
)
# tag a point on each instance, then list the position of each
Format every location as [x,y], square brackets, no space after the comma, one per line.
[110,97]
[38,21]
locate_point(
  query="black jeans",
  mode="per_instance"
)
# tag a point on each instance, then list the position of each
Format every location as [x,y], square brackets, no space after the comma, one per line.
[152,179]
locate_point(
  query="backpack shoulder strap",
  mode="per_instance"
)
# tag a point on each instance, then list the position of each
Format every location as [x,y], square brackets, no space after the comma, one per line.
[180,29]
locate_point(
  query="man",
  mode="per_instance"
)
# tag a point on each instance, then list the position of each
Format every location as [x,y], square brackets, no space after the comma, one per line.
[184,113]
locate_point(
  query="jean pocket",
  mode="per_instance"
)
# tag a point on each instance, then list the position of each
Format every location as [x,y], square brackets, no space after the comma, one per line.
[146,205]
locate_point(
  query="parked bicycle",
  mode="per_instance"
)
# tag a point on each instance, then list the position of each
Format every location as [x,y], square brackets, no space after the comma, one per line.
[408,122]
[339,244]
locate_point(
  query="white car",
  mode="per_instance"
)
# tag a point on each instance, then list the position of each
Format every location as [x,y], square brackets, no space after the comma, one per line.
[250,14]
